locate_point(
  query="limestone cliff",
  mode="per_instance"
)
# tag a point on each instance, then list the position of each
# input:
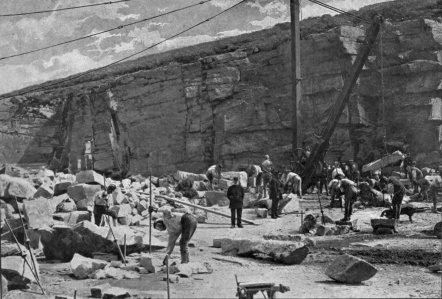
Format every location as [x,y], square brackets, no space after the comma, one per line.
[229,101]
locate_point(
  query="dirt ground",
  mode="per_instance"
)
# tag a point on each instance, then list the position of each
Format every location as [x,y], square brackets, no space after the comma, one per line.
[401,260]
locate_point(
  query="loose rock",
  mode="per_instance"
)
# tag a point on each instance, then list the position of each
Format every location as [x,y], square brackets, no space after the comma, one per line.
[82,266]
[350,269]
[38,213]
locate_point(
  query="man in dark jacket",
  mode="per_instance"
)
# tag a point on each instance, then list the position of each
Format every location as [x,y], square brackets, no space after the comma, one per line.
[275,193]
[235,194]
[398,194]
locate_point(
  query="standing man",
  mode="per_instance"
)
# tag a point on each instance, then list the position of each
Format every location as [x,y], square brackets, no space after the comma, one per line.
[267,168]
[103,200]
[275,193]
[213,171]
[348,187]
[177,224]
[398,194]
[415,174]
[435,184]
[235,194]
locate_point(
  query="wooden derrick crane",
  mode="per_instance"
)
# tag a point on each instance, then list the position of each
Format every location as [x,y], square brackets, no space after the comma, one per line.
[320,148]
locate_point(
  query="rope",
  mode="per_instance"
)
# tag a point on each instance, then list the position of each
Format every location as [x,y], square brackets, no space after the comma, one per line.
[66,8]
[340,11]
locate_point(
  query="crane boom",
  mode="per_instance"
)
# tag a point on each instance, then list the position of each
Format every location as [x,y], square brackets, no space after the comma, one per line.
[319,150]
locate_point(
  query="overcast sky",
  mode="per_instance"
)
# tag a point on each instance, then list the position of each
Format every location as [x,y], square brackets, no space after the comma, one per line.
[29,32]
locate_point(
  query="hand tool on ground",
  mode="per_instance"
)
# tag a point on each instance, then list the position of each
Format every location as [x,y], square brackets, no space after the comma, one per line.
[115,239]
[23,256]
[246,290]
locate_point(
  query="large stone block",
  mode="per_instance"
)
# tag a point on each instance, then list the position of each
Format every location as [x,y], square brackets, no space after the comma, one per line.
[381,223]
[89,177]
[241,175]
[62,187]
[82,266]
[83,191]
[216,198]
[181,175]
[54,201]
[290,253]
[350,269]
[38,212]
[11,187]
[45,191]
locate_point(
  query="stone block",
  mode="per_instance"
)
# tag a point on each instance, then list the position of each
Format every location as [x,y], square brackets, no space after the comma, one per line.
[122,210]
[216,198]
[62,187]
[147,261]
[98,291]
[89,177]
[116,293]
[224,184]
[38,213]
[118,197]
[350,269]
[261,212]
[72,217]
[187,270]
[44,191]
[136,220]
[143,205]
[83,191]
[11,187]
[181,175]
[54,201]
[249,200]
[241,175]
[378,223]
[17,272]
[126,183]
[290,253]
[82,266]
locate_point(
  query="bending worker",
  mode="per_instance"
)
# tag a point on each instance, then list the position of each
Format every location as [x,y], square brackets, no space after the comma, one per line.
[293,182]
[177,224]
[102,202]
[267,169]
[348,187]
[398,194]
[213,171]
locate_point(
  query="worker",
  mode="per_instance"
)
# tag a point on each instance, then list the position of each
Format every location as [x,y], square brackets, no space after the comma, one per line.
[424,185]
[398,194]
[435,185]
[354,172]
[335,193]
[337,170]
[235,194]
[255,172]
[177,224]
[415,174]
[214,171]
[346,169]
[267,168]
[103,201]
[348,188]
[275,193]
[292,182]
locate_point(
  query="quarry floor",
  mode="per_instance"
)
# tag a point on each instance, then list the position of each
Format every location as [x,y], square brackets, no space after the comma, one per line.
[401,259]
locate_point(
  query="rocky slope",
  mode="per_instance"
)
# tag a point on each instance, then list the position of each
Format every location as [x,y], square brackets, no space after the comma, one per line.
[229,101]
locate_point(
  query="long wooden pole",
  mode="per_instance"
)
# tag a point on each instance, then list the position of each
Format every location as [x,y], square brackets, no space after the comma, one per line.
[296,72]
[150,214]
[201,208]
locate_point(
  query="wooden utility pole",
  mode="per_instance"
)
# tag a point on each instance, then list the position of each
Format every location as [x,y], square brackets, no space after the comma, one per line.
[296,72]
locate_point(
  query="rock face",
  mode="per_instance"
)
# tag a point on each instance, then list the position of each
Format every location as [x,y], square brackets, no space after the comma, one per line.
[290,253]
[235,106]
[350,269]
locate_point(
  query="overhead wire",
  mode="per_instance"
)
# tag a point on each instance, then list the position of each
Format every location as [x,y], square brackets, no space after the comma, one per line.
[340,11]
[127,57]
[108,30]
[61,9]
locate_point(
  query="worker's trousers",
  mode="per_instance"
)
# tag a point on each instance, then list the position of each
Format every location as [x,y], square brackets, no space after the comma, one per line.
[188,224]
[350,197]
[274,210]
[235,216]
[397,202]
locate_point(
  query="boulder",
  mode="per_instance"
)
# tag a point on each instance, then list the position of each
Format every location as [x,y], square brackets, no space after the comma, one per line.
[62,187]
[89,177]
[147,261]
[72,217]
[11,187]
[83,191]
[216,198]
[249,200]
[289,253]
[217,242]
[350,269]
[241,175]
[261,212]
[38,212]
[125,220]
[82,266]
[378,223]
[122,210]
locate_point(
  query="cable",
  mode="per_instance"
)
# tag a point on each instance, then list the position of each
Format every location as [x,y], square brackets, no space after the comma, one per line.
[101,32]
[340,11]
[130,56]
[67,8]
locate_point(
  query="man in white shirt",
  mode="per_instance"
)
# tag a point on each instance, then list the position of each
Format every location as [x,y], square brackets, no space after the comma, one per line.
[214,171]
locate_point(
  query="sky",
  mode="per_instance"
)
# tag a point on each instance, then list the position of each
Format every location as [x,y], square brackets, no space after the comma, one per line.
[28,32]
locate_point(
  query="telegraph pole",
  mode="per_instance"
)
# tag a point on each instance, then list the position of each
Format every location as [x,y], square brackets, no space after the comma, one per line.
[296,72]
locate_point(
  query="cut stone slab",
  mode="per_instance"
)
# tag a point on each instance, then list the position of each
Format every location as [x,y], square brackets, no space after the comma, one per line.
[181,175]
[11,187]
[350,269]
[241,175]
[82,266]
[216,198]
[261,212]
[83,191]
[378,223]
[45,191]
[62,187]
[38,212]
[290,253]
[72,217]
[89,177]
[116,293]
[147,261]
[295,237]
[98,291]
